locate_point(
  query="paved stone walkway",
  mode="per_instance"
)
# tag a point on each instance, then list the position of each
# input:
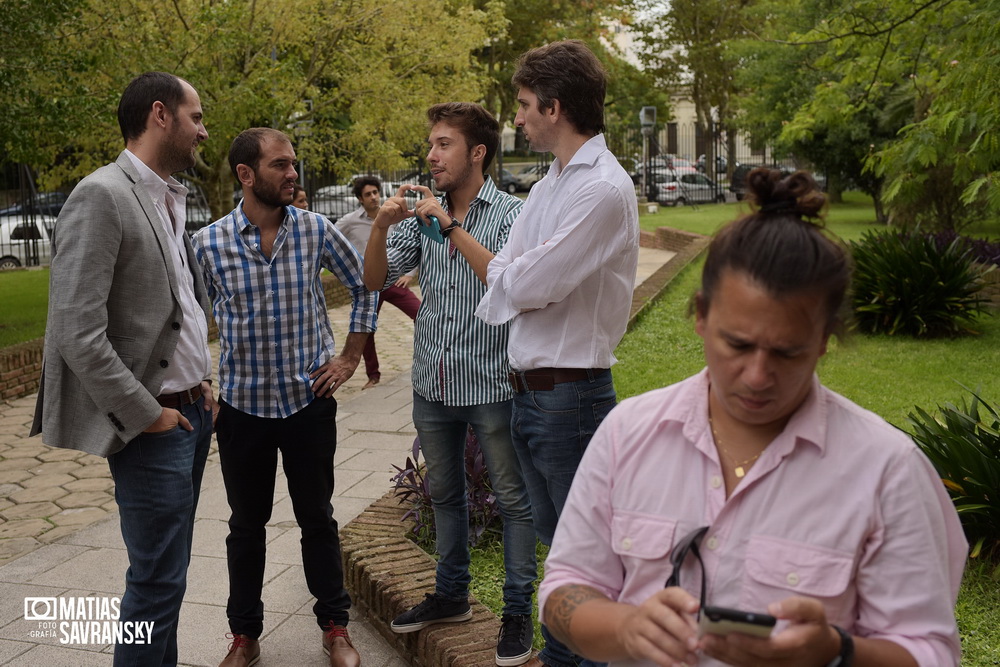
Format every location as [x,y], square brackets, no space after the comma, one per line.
[59,533]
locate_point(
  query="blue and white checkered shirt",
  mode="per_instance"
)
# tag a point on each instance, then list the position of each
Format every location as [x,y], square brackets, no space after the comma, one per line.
[271,312]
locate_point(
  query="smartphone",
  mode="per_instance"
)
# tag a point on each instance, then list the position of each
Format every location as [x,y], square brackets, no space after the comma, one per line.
[431,230]
[722,621]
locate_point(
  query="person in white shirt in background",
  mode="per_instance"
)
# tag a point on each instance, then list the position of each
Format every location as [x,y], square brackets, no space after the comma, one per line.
[564,281]
[357,227]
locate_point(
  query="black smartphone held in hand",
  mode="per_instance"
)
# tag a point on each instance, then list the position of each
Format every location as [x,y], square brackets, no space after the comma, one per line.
[722,621]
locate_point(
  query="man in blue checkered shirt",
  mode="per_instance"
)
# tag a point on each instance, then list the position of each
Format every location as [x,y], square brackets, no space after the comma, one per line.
[278,371]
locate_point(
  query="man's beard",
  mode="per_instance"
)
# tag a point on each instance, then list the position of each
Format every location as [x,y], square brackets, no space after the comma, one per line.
[271,196]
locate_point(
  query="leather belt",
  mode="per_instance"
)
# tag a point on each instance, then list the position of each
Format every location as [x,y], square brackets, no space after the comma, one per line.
[545,379]
[180,399]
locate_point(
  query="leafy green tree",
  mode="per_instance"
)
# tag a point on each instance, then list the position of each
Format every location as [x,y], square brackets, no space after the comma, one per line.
[871,92]
[349,79]
[687,45]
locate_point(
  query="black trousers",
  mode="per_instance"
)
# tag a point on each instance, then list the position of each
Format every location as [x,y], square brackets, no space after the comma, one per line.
[248,451]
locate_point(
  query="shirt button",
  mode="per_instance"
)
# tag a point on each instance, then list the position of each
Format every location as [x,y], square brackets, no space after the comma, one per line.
[792,579]
[716,481]
[712,543]
[627,543]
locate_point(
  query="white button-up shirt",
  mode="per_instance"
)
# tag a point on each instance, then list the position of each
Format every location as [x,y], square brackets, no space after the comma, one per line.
[565,277]
[191,362]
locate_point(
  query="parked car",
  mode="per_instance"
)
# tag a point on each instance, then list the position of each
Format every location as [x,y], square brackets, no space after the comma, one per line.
[720,164]
[670,161]
[46,203]
[737,184]
[508,182]
[25,242]
[679,189]
[530,175]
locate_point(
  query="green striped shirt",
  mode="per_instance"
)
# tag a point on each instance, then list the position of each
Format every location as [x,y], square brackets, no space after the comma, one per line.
[457,358]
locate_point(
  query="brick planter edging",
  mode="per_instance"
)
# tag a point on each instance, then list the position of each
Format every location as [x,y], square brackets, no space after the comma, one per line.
[387,574]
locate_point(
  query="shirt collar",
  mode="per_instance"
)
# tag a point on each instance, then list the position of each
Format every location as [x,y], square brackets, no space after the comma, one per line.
[242,221]
[488,194]
[586,154]
[807,424]
[155,185]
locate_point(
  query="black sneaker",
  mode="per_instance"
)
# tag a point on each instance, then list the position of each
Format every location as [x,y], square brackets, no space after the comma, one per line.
[514,640]
[434,609]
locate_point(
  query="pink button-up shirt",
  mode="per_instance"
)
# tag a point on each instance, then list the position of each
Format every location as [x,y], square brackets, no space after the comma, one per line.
[841,507]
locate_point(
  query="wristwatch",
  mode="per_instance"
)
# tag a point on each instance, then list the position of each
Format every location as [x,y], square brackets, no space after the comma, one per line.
[846,656]
[450,228]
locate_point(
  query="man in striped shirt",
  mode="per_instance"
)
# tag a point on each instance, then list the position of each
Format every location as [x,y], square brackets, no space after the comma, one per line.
[278,371]
[459,364]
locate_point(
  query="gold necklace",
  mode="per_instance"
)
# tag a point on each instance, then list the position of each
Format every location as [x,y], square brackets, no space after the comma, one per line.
[740,468]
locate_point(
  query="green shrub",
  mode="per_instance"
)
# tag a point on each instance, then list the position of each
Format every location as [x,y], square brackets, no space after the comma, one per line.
[904,285]
[963,443]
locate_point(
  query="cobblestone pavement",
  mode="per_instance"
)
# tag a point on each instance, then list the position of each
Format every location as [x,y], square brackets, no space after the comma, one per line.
[46,493]
[60,538]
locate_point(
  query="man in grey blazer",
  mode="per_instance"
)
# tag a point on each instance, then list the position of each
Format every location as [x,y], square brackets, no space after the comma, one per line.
[127,368]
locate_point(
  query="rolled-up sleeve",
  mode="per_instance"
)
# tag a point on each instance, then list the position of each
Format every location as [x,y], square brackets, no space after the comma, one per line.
[907,583]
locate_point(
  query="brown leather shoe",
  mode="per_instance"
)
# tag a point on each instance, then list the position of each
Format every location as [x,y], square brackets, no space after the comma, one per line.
[243,652]
[337,644]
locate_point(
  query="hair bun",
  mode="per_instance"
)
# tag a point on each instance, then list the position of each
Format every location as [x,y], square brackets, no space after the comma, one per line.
[777,195]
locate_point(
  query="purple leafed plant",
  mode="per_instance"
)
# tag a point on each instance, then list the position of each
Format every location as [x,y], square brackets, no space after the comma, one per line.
[412,486]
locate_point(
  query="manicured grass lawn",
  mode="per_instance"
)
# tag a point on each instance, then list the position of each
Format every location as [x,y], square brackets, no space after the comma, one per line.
[24,300]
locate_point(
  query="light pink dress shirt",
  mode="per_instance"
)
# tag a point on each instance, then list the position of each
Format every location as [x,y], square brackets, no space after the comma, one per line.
[565,276]
[841,507]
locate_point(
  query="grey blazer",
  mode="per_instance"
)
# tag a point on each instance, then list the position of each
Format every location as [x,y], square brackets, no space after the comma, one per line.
[114,315]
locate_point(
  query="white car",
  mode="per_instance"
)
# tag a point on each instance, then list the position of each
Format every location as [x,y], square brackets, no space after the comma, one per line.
[25,242]
[530,175]
[679,188]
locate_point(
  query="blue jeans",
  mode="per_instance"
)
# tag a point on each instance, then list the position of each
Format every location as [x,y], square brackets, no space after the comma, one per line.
[551,430]
[442,431]
[157,482]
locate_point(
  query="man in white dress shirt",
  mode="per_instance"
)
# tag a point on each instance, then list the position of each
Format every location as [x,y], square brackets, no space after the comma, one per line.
[564,281]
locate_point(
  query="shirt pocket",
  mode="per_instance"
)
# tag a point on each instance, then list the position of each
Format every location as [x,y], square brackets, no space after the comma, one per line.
[778,568]
[643,543]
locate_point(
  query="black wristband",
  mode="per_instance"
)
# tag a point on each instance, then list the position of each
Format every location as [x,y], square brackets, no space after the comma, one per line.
[846,656]
[455,224]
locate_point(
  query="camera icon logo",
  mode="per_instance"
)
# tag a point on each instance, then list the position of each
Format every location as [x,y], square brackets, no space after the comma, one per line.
[40,609]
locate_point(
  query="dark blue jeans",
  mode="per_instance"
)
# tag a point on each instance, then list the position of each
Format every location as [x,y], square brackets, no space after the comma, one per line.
[248,452]
[442,431]
[157,482]
[551,430]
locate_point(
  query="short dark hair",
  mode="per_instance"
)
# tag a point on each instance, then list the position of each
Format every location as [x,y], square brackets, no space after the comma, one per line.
[567,71]
[362,182]
[782,245]
[476,124]
[246,147]
[140,94]
[297,189]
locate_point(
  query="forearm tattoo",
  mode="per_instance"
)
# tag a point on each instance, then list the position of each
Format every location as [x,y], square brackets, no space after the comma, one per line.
[561,606]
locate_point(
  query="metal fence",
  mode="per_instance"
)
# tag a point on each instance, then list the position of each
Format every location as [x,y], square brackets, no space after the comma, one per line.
[676,164]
